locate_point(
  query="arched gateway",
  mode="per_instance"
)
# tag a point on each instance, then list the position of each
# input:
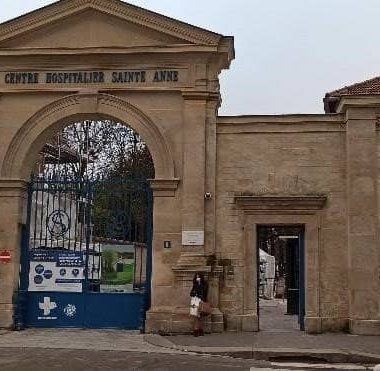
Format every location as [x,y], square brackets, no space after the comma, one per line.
[101,59]
[280,213]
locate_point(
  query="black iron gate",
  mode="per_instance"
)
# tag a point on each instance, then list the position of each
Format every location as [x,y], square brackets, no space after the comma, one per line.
[86,254]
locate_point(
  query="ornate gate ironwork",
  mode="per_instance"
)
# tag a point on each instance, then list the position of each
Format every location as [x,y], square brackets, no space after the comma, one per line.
[86,254]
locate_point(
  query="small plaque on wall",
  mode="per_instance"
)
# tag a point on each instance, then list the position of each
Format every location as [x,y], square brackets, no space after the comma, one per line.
[193,238]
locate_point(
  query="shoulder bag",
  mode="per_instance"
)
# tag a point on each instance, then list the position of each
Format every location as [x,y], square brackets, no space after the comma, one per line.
[205,308]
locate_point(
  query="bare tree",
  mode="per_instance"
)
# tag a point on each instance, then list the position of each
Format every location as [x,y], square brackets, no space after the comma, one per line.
[90,149]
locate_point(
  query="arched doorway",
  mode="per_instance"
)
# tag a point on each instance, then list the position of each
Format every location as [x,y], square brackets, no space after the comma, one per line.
[23,152]
[87,242]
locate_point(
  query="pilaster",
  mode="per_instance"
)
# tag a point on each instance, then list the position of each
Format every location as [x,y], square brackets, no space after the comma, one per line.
[167,227]
[362,228]
[210,180]
[194,157]
[12,216]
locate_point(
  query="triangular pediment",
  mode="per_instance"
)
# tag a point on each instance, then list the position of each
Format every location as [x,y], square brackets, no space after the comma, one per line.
[99,23]
[89,29]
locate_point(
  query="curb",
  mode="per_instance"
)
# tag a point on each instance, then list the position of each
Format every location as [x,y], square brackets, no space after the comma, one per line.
[160,341]
[272,354]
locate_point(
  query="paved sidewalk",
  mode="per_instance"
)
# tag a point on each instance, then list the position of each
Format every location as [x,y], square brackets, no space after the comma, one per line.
[94,340]
[280,338]
[82,350]
[264,345]
[300,340]
[271,345]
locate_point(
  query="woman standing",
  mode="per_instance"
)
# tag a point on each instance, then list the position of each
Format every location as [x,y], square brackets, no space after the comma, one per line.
[197,294]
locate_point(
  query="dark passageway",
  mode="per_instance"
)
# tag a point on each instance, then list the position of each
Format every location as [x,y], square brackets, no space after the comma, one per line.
[280,278]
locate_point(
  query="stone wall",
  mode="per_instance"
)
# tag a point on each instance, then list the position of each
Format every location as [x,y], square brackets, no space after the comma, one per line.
[288,156]
[363,210]
[321,171]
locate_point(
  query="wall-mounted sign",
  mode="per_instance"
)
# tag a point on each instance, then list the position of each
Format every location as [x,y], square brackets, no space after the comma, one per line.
[193,238]
[56,271]
[108,77]
[5,256]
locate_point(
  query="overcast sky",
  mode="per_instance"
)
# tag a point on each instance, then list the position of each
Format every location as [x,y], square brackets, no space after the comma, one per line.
[289,53]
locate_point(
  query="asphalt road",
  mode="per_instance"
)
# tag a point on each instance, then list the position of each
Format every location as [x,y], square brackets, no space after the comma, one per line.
[35,359]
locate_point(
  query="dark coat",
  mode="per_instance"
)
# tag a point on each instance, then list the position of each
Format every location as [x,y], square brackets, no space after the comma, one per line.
[200,290]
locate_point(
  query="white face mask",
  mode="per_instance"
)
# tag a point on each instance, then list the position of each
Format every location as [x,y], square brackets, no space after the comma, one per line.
[198,279]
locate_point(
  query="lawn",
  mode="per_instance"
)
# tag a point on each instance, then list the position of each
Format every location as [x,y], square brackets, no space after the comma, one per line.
[119,278]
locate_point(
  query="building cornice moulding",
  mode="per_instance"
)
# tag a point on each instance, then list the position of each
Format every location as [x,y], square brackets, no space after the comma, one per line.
[12,187]
[358,102]
[288,119]
[201,95]
[283,203]
[167,49]
[164,187]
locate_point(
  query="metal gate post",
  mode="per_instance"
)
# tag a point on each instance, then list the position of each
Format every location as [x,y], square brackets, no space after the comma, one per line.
[88,217]
[149,254]
[21,296]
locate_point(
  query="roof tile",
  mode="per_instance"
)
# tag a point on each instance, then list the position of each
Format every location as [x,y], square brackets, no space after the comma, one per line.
[368,87]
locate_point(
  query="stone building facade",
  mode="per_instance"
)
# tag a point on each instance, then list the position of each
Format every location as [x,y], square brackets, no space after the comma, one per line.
[217,178]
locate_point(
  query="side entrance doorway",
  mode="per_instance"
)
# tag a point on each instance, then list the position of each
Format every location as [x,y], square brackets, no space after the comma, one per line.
[86,255]
[281,277]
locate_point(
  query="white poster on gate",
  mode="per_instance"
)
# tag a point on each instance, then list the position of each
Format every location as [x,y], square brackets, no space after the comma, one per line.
[56,271]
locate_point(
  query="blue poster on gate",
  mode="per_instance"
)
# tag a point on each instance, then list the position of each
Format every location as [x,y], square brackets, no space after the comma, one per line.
[56,271]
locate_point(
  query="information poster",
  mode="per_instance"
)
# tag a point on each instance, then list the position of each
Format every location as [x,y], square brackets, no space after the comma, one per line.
[56,271]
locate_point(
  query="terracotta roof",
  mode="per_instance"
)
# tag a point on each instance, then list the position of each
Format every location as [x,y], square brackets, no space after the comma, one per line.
[368,87]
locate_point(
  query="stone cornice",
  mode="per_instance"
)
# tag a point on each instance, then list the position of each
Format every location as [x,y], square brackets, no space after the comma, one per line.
[131,13]
[201,95]
[168,49]
[278,127]
[284,203]
[12,187]
[365,101]
[226,45]
[164,187]
[287,119]
[190,263]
